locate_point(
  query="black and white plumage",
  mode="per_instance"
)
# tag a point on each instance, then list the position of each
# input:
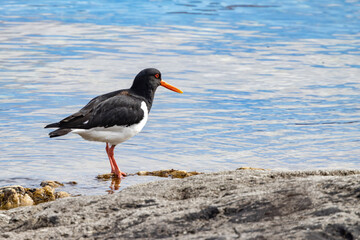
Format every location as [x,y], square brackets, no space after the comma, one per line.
[116,116]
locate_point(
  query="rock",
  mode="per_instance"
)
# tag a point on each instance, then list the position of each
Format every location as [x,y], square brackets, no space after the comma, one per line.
[224,205]
[106,176]
[72,183]
[61,195]
[14,196]
[44,194]
[168,173]
[250,168]
[53,184]
[160,173]
[17,196]
[4,218]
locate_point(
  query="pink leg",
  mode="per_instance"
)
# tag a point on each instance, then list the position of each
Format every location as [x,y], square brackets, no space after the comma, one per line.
[115,169]
[110,159]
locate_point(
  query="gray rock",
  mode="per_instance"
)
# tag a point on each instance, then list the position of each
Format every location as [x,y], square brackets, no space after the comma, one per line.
[225,205]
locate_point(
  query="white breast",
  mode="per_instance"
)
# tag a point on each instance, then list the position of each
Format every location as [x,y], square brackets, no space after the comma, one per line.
[116,134]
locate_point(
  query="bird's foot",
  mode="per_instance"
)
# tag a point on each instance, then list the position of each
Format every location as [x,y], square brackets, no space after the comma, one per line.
[119,173]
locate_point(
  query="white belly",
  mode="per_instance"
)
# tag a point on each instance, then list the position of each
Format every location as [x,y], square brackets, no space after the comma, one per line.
[116,134]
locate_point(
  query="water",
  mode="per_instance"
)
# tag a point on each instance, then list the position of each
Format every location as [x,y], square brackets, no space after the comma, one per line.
[266,84]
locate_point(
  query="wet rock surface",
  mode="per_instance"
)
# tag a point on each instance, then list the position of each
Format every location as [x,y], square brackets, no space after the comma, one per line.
[53,184]
[169,173]
[15,196]
[18,196]
[238,204]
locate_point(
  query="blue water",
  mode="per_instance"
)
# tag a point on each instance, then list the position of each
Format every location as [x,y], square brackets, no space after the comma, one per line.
[269,84]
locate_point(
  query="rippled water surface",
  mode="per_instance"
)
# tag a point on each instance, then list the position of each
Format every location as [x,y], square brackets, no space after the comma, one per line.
[270,84]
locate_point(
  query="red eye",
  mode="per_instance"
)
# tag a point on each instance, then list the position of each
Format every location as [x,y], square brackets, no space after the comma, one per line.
[157,75]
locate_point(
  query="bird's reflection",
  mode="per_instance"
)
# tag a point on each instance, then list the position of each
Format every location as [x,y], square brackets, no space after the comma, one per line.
[115,181]
[115,184]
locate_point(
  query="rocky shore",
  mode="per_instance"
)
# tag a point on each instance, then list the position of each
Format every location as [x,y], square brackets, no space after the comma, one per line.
[241,204]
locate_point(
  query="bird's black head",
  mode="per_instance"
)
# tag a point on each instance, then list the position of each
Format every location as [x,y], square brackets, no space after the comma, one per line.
[147,81]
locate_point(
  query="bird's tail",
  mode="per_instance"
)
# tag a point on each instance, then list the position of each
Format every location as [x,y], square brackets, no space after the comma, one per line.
[59,132]
[53,125]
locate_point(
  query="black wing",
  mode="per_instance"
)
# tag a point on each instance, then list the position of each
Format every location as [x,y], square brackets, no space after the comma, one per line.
[120,110]
[77,119]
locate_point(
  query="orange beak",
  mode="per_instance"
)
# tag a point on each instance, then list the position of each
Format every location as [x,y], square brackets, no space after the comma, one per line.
[168,86]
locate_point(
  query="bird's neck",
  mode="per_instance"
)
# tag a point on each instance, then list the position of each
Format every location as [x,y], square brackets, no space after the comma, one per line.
[147,95]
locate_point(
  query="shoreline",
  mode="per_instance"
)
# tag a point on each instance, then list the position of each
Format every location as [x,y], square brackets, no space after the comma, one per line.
[240,204]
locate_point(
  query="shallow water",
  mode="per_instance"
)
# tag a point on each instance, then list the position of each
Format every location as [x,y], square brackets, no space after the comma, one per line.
[268,84]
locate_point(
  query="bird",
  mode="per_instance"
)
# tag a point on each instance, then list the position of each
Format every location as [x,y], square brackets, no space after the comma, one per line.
[116,116]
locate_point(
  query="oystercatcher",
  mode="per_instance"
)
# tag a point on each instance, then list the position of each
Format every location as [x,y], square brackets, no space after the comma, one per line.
[116,116]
